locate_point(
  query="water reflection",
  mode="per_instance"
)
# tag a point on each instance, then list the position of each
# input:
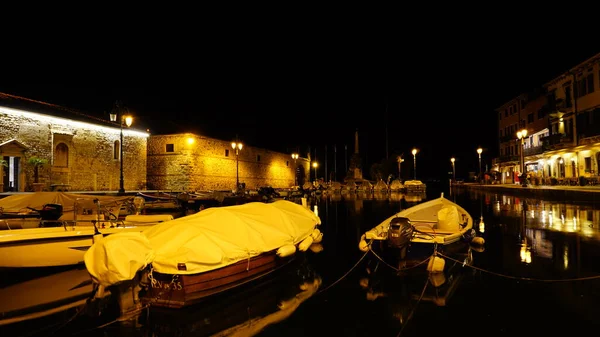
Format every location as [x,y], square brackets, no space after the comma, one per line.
[538,252]
[245,313]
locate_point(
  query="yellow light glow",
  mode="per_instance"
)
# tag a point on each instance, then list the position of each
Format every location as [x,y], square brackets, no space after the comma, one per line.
[68,123]
[414,152]
[128,120]
[191,140]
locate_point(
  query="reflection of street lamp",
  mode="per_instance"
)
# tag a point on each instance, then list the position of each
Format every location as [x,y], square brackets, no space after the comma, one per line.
[453,170]
[479,150]
[414,152]
[127,120]
[237,146]
[295,157]
[521,135]
[315,165]
[400,161]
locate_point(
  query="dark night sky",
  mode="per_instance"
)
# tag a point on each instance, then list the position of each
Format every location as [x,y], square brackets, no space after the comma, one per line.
[440,93]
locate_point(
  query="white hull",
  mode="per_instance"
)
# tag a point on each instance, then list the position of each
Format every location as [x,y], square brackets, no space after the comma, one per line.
[424,218]
[59,246]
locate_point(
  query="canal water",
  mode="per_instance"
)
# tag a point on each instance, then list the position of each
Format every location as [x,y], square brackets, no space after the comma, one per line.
[538,273]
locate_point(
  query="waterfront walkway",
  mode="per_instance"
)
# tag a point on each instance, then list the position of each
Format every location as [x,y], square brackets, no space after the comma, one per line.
[561,192]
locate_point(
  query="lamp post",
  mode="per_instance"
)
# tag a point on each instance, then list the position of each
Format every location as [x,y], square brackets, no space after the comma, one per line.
[119,112]
[315,165]
[479,150]
[295,157]
[521,134]
[237,146]
[452,160]
[414,153]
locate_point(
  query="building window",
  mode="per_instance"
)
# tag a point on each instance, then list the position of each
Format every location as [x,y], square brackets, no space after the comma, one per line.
[287,163]
[226,152]
[258,157]
[530,118]
[61,155]
[170,148]
[116,150]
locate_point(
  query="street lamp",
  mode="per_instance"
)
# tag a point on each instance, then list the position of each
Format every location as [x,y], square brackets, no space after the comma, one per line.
[237,146]
[315,165]
[119,111]
[295,157]
[521,135]
[453,169]
[479,150]
[414,152]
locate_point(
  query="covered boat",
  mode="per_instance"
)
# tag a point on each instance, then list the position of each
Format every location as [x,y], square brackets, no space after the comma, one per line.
[205,253]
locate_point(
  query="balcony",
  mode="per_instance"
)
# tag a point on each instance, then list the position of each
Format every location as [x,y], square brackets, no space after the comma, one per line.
[556,141]
[533,151]
[504,159]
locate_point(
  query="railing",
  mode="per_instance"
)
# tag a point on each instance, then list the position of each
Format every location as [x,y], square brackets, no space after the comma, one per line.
[533,151]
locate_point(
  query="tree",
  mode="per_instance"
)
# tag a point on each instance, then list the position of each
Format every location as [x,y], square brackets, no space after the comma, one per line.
[36,163]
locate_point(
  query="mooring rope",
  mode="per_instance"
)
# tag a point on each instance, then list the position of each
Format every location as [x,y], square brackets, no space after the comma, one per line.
[525,278]
[346,274]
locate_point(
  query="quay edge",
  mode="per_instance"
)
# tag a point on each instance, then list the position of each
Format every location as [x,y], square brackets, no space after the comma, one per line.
[582,194]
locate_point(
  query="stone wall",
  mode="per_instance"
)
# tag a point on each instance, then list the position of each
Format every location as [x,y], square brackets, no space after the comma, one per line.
[90,165]
[188,162]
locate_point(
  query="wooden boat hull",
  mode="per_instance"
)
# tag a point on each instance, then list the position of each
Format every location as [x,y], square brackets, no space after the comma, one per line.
[177,291]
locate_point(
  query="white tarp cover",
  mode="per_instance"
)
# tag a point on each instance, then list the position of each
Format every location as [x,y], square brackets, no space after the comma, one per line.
[18,203]
[212,238]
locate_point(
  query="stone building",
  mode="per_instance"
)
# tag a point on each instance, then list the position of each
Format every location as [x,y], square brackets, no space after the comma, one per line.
[83,153]
[80,152]
[189,162]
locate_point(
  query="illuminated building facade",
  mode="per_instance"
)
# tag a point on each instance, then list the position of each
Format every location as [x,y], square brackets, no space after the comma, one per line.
[562,120]
[82,153]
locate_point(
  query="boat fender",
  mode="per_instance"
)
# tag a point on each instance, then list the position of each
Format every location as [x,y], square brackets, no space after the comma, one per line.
[286,250]
[436,264]
[478,241]
[437,279]
[316,235]
[303,246]
[363,245]
[316,248]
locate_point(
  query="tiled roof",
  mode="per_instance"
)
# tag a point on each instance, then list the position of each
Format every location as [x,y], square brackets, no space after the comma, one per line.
[26,104]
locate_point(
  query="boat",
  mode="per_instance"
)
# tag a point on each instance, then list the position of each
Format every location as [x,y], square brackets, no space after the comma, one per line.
[44,209]
[414,186]
[63,242]
[194,257]
[426,228]
[162,201]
